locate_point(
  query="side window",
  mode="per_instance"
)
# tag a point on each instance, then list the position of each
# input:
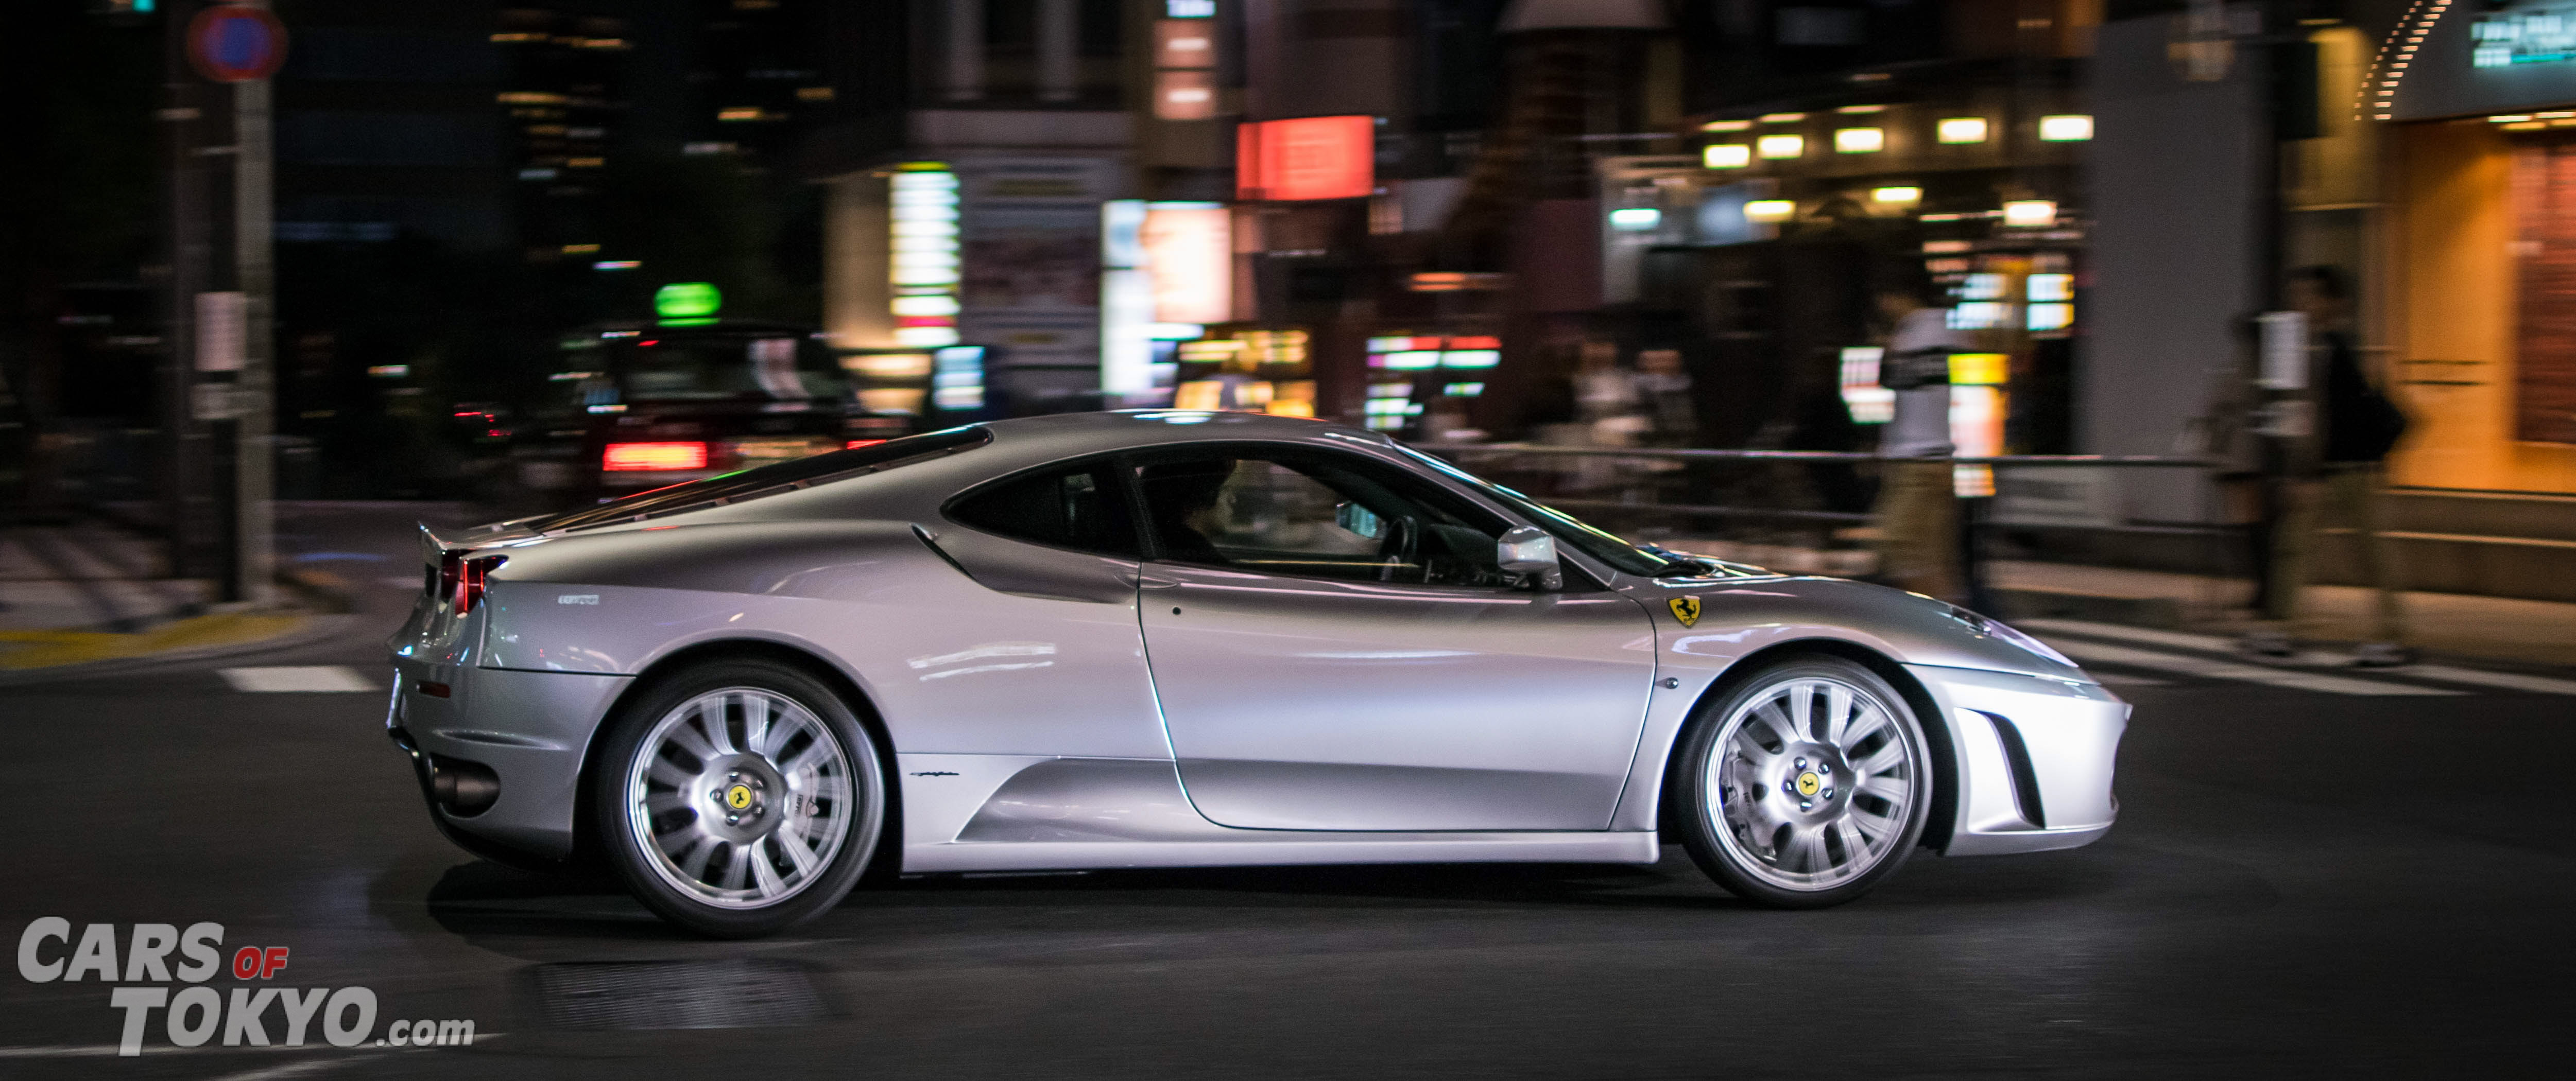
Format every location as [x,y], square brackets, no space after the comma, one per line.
[1079,508]
[1293,513]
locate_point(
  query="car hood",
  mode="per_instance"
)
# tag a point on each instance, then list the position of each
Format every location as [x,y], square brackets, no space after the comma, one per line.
[1733,609]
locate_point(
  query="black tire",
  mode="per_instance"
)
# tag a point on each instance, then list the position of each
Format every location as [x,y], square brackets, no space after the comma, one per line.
[1751,830]
[663,883]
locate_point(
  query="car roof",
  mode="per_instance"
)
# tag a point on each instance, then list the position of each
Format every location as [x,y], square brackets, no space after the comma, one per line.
[1062,435]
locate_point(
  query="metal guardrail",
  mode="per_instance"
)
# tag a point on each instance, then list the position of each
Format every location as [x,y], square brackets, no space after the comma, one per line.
[1691,453]
[1586,497]
[1688,454]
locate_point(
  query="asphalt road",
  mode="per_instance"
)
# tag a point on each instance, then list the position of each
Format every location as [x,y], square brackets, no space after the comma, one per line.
[2301,884]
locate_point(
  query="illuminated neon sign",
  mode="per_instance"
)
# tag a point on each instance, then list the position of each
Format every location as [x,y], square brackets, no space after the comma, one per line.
[924,270]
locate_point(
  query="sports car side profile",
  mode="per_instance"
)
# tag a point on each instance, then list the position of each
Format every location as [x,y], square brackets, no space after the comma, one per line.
[1162,639]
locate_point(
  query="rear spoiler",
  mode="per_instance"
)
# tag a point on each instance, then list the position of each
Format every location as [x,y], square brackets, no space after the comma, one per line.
[436,542]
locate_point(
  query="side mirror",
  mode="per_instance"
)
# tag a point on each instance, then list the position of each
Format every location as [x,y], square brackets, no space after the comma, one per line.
[1529,550]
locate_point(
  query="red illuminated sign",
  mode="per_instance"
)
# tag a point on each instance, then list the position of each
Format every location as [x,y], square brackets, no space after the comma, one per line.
[1317,157]
[653,457]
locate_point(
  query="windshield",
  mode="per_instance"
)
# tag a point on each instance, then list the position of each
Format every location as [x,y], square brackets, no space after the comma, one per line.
[1568,529]
[769,479]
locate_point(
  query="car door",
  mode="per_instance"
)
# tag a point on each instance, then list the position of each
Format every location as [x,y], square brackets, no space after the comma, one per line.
[1334,648]
[1051,660]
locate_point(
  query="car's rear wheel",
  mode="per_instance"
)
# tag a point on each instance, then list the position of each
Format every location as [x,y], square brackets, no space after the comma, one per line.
[1805,785]
[739,797]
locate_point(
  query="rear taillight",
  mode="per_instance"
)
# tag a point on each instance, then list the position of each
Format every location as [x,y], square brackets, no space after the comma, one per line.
[460,579]
[653,457]
[442,583]
[472,577]
[857,443]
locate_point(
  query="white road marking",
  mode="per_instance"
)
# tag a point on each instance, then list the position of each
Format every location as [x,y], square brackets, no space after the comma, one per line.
[292,1069]
[2438,673]
[109,1050]
[2201,666]
[2176,639]
[307,679]
[2442,673]
[2114,679]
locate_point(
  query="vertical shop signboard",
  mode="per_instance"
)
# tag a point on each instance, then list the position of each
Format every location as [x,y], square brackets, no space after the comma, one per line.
[1031,253]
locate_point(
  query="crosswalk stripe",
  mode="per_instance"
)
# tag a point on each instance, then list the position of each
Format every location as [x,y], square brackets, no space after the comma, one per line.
[2438,673]
[305,679]
[2441,673]
[2149,636]
[2116,679]
[2199,666]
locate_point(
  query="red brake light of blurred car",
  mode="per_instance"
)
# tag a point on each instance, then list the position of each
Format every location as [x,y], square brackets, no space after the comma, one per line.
[857,443]
[650,457]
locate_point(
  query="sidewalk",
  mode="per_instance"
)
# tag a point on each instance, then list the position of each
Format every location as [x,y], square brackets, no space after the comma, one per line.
[2454,625]
[89,591]
[2449,625]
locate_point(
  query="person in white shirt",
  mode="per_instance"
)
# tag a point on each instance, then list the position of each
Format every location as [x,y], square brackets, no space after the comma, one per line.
[1918,508]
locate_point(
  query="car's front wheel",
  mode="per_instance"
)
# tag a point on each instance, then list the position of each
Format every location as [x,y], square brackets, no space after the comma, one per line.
[739,797]
[1805,785]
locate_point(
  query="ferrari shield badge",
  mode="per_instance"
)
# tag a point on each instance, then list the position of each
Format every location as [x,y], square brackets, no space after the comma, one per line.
[1685,609]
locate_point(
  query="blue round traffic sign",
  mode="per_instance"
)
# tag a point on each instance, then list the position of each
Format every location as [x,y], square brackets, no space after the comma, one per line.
[236,43]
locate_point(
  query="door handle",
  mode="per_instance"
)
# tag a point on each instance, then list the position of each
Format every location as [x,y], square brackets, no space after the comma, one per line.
[1144,582]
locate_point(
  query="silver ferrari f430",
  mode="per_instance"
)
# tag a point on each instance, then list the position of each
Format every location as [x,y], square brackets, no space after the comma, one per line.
[1164,639]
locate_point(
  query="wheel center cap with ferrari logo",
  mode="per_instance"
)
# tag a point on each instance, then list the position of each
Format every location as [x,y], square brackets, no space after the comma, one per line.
[740,795]
[1809,777]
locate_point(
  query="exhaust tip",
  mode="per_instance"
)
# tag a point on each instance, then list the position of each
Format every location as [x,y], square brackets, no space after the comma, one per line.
[463,788]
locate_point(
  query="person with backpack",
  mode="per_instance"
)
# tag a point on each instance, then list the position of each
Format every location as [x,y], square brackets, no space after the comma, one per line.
[2356,427]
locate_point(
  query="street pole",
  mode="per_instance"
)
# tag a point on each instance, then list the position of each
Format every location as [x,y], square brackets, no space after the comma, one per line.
[189,507]
[255,398]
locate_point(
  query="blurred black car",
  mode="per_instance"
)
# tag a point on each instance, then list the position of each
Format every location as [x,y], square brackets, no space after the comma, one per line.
[641,405]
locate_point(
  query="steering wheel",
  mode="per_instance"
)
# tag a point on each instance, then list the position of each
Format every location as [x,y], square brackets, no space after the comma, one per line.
[1403,537]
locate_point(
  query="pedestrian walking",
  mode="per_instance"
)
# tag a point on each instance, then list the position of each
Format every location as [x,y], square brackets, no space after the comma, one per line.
[1664,390]
[1918,506]
[2356,426]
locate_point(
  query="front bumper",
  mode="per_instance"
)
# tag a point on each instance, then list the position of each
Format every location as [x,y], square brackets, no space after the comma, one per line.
[530,729]
[2034,756]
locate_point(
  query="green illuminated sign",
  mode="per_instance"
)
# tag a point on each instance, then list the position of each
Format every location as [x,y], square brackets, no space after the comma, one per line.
[687,303]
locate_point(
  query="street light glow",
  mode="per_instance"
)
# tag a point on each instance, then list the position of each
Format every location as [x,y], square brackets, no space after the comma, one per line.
[1860,140]
[2071,128]
[2030,213]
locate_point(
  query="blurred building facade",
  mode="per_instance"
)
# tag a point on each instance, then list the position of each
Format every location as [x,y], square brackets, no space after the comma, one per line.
[1441,218]
[2471,112]
[1485,191]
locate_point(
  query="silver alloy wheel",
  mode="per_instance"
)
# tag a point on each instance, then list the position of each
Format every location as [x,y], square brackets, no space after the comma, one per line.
[1814,780]
[741,797]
